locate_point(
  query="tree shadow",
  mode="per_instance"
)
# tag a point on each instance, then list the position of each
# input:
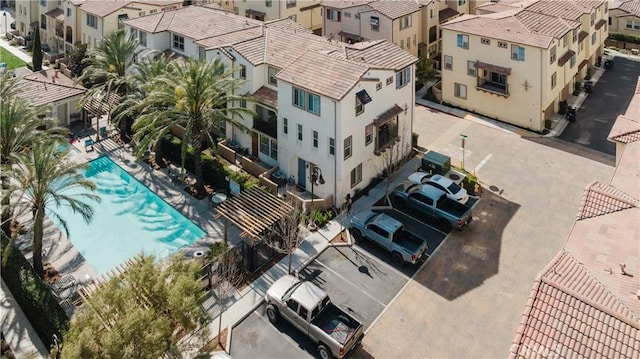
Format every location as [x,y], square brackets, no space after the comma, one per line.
[468,258]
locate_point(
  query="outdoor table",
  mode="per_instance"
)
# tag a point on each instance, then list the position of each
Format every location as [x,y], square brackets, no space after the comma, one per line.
[218,198]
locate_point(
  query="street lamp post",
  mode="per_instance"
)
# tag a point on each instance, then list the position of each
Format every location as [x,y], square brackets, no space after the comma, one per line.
[4,15]
[463,137]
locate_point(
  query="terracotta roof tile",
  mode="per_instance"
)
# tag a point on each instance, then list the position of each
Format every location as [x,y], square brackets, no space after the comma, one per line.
[40,88]
[630,6]
[103,8]
[381,54]
[446,14]
[600,199]
[344,4]
[395,9]
[569,10]
[56,13]
[267,96]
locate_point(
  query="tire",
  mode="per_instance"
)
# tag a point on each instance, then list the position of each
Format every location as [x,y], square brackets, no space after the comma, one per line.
[356,235]
[324,352]
[445,225]
[397,259]
[272,313]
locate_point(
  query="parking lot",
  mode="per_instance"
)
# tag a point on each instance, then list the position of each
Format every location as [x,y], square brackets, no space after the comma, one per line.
[360,279]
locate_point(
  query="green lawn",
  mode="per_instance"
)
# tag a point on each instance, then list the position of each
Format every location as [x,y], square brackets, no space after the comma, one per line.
[11,60]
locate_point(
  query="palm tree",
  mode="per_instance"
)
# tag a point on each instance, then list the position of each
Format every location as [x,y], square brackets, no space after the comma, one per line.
[107,74]
[19,128]
[42,178]
[196,95]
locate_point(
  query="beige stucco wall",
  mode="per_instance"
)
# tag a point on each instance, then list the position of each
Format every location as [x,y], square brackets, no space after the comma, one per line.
[619,20]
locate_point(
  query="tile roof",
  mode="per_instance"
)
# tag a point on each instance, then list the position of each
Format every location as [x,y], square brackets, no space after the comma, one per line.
[570,314]
[326,75]
[395,9]
[570,10]
[446,13]
[267,96]
[496,7]
[231,37]
[196,22]
[40,88]
[625,130]
[600,199]
[627,173]
[56,13]
[103,8]
[380,53]
[344,4]
[630,6]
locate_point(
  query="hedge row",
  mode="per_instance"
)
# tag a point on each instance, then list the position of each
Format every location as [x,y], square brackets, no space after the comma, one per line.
[624,37]
[213,172]
[33,295]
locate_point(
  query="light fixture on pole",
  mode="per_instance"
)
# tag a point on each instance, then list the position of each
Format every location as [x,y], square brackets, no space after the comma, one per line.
[316,179]
[4,14]
[463,137]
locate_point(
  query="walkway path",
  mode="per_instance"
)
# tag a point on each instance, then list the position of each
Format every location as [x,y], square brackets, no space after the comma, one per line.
[17,331]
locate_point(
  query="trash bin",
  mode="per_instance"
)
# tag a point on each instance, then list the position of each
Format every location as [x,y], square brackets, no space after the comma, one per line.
[571,114]
[588,86]
[608,64]
[436,163]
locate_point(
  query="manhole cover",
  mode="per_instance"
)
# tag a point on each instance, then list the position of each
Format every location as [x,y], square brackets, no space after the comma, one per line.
[494,188]
[454,176]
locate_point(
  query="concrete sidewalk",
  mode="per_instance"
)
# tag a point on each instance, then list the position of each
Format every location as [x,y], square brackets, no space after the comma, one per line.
[17,331]
[16,51]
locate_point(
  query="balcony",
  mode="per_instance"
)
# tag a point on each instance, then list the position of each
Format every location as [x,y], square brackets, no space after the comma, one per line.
[494,88]
[387,130]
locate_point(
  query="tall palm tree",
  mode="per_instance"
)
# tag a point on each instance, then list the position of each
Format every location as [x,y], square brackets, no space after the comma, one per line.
[42,178]
[19,128]
[107,73]
[196,95]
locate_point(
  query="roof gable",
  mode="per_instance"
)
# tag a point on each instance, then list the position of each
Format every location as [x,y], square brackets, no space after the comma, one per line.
[600,199]
[395,9]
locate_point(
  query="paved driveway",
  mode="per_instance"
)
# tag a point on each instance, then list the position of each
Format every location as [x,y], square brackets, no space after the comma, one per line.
[467,300]
[610,98]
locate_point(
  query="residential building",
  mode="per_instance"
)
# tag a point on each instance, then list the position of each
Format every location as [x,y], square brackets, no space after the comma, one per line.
[27,13]
[624,17]
[304,12]
[586,302]
[54,91]
[320,104]
[518,65]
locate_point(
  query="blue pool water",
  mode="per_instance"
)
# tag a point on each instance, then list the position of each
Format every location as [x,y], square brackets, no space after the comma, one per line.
[130,219]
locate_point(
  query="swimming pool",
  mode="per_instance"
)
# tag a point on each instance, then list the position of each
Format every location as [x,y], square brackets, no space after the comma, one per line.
[130,219]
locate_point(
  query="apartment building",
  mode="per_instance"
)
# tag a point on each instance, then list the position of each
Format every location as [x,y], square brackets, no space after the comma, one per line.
[304,12]
[334,107]
[517,65]
[624,17]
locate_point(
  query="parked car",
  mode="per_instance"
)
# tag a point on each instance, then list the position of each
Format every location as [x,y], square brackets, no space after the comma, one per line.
[433,203]
[390,234]
[442,183]
[308,308]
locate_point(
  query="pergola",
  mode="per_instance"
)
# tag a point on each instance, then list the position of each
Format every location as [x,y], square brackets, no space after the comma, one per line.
[253,211]
[99,106]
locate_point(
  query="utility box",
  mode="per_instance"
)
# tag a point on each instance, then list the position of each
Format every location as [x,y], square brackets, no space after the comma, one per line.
[436,163]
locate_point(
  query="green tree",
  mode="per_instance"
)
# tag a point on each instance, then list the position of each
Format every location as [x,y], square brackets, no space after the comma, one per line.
[19,124]
[76,60]
[425,71]
[37,48]
[141,313]
[196,95]
[41,180]
[107,74]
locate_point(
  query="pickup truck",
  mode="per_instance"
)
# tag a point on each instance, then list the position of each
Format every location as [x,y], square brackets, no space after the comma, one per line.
[390,234]
[308,308]
[433,203]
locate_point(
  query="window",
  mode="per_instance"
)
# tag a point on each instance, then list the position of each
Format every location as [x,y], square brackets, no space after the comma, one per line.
[243,72]
[379,86]
[594,37]
[43,22]
[493,82]
[243,103]
[593,18]
[269,146]
[408,42]
[461,2]
[121,19]
[460,91]
[68,12]
[448,62]
[485,41]
[463,41]
[368,134]
[142,13]
[304,313]
[315,139]
[333,15]
[264,145]
[552,55]
[471,68]
[178,42]
[291,3]
[389,80]
[431,13]
[347,14]
[574,35]
[356,175]
[294,18]
[43,2]
[402,44]
[274,149]
[517,53]
[143,38]
[298,98]
[267,3]
[332,146]
[374,21]
[272,76]
[405,22]
[92,21]
[554,80]
[134,34]
[502,44]
[299,132]
[564,41]
[347,147]
[153,11]
[609,20]
[403,77]
[285,125]
[313,103]
[572,62]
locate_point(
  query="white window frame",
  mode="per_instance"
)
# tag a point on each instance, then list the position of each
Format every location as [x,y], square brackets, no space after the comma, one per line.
[552,55]
[405,22]
[462,41]
[403,77]
[332,146]
[299,98]
[177,42]
[516,54]
[448,62]
[143,38]
[348,147]
[315,139]
[460,90]
[271,73]
[311,103]
[368,134]
[471,68]
[300,134]
[356,175]
[285,125]
[554,80]
[92,21]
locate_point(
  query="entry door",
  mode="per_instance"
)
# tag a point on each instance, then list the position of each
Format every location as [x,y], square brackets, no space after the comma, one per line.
[63,117]
[302,173]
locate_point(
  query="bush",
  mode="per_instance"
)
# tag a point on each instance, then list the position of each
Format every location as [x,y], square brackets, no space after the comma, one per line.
[624,37]
[213,172]
[577,87]
[320,218]
[33,295]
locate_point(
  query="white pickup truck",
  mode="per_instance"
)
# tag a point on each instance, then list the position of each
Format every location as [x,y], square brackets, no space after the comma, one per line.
[308,308]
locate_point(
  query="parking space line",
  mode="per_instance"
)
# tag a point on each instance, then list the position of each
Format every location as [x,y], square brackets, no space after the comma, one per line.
[350,282]
[421,221]
[283,334]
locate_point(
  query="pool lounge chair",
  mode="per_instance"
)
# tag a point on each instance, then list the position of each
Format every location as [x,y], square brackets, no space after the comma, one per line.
[88,145]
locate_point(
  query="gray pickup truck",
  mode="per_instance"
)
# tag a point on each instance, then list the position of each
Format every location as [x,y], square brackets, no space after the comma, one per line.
[390,234]
[308,308]
[433,203]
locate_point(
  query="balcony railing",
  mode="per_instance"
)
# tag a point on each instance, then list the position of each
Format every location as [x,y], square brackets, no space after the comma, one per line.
[492,87]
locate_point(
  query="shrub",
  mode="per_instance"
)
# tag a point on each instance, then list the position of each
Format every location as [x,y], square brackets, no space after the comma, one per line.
[33,295]
[320,218]
[547,124]
[624,37]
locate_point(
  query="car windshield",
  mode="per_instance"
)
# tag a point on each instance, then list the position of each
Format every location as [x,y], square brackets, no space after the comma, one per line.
[454,188]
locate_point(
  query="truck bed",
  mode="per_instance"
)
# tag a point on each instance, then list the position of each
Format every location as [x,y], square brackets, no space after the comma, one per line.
[452,207]
[409,241]
[338,324]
